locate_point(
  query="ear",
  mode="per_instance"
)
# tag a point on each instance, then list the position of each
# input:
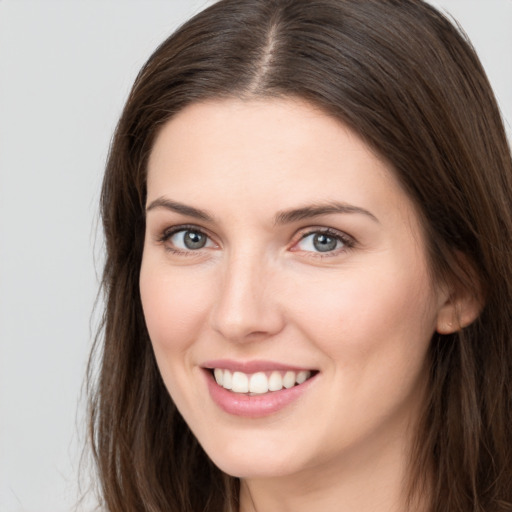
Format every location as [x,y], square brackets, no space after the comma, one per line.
[462,301]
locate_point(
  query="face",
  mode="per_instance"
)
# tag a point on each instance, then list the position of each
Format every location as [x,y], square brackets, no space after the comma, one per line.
[283,259]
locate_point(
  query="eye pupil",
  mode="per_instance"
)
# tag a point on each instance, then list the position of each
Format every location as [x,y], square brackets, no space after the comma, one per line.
[194,240]
[324,243]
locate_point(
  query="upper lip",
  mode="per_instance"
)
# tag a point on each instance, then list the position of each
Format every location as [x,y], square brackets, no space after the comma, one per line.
[252,366]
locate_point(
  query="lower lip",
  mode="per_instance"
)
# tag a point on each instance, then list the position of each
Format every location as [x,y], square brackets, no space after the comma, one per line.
[255,406]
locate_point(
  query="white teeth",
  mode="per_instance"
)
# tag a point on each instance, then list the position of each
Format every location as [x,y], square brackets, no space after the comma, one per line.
[275,383]
[260,382]
[227,380]
[302,376]
[240,383]
[218,373]
[289,380]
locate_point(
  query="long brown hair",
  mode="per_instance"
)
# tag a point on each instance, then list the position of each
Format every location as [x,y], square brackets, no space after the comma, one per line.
[409,83]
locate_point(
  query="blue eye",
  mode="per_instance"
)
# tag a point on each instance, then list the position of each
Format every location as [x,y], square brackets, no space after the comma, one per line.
[189,240]
[321,242]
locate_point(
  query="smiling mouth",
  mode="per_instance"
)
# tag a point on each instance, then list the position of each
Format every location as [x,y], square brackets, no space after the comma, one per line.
[260,383]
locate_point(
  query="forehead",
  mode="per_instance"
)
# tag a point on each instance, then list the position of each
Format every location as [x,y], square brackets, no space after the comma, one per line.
[258,157]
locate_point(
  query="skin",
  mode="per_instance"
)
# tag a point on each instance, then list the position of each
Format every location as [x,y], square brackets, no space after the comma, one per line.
[362,314]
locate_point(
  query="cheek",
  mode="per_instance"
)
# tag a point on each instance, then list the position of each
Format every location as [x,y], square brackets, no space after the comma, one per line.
[174,306]
[375,332]
[358,317]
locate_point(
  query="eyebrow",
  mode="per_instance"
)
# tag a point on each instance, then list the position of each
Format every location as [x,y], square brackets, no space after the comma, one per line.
[316,210]
[184,209]
[282,217]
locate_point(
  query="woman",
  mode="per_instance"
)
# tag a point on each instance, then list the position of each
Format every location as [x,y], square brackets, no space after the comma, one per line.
[308,219]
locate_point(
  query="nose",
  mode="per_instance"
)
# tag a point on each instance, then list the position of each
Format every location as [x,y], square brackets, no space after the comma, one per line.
[246,306]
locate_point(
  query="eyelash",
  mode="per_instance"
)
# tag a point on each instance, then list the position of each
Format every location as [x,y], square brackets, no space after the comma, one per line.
[347,241]
[169,233]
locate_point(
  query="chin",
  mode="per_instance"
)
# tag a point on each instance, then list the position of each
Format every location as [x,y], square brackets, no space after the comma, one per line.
[243,459]
[254,469]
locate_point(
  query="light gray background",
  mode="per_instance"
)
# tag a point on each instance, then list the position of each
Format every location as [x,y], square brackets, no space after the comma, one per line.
[65,70]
